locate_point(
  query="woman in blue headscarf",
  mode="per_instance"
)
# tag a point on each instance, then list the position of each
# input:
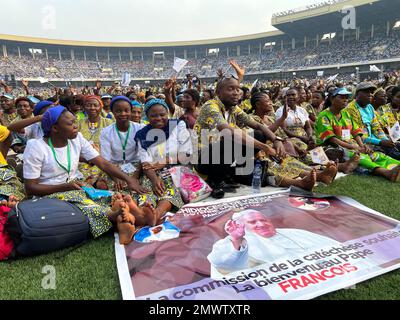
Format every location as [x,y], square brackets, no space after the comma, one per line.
[51,168]
[162,143]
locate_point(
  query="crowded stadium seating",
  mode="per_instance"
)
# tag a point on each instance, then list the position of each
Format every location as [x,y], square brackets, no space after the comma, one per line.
[326,53]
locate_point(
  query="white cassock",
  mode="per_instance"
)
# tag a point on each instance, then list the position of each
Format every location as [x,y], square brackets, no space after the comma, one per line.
[256,250]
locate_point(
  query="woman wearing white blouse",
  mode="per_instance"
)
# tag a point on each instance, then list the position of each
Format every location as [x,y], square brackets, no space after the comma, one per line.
[162,143]
[51,166]
[297,124]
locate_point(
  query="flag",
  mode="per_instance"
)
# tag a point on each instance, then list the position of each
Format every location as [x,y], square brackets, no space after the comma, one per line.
[255,83]
[126,79]
[320,73]
[332,78]
[42,80]
[179,64]
[374,68]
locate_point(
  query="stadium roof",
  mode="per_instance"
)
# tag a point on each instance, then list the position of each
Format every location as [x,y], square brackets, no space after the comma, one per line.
[329,17]
[139,44]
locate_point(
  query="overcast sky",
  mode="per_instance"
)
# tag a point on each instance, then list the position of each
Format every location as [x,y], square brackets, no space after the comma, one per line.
[140,20]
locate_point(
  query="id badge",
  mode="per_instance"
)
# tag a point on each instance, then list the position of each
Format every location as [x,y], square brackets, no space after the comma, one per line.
[128,168]
[346,135]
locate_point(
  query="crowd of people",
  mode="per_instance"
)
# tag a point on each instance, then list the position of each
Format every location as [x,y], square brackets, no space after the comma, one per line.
[127,140]
[328,52]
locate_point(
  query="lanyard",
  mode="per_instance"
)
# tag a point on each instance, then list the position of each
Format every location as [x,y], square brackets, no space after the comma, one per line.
[67,170]
[123,144]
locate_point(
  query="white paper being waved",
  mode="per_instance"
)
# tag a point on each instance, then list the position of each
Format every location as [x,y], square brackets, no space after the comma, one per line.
[43,80]
[126,79]
[395,132]
[179,64]
[374,68]
[332,78]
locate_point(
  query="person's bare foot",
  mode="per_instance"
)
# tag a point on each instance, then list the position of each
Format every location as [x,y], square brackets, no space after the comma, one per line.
[329,174]
[116,200]
[125,225]
[116,209]
[151,216]
[395,174]
[11,202]
[135,210]
[350,165]
[308,182]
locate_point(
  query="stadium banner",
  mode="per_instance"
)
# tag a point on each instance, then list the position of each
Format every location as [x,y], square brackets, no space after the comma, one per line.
[273,246]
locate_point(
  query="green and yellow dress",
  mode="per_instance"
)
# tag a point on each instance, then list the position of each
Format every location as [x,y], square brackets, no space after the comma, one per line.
[346,129]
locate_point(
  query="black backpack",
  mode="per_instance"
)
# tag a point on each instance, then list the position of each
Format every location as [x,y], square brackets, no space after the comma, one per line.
[43,225]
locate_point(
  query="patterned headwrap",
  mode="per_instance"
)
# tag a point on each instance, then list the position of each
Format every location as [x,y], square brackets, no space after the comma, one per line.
[153,102]
[50,118]
[136,104]
[94,97]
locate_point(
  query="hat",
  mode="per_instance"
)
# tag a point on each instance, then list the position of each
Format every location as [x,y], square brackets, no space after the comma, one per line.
[365,86]
[106,96]
[8,96]
[341,92]
[118,98]
[41,105]
[50,118]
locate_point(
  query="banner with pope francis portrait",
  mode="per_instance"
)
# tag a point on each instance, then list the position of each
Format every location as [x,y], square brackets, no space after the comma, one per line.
[281,245]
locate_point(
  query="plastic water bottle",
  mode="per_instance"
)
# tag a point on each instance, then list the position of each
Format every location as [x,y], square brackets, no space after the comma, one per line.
[257,174]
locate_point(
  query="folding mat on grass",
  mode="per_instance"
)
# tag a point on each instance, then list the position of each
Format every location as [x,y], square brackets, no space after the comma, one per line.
[278,245]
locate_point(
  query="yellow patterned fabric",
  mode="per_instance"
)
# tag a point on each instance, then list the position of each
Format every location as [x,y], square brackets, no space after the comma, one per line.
[213,114]
[246,105]
[388,116]
[91,132]
[9,118]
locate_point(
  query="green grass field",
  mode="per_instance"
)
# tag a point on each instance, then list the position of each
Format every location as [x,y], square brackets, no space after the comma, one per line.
[90,272]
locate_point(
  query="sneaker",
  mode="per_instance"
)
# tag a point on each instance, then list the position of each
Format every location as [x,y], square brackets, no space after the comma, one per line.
[218,193]
[226,187]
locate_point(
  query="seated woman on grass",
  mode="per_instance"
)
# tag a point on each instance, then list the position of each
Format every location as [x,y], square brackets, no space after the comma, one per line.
[30,127]
[118,146]
[162,143]
[51,166]
[297,125]
[336,128]
[287,172]
[91,128]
